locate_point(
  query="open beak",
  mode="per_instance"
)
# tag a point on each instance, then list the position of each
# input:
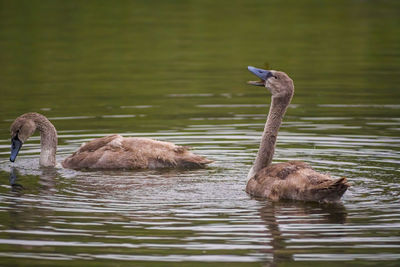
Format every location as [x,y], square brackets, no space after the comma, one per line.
[16,145]
[260,73]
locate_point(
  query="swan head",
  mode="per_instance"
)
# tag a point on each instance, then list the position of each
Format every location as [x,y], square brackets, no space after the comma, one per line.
[21,129]
[277,82]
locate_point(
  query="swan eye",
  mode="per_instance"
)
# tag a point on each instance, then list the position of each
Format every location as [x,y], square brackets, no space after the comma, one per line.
[276,77]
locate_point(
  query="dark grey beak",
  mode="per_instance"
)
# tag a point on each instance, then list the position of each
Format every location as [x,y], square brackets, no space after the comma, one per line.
[260,73]
[16,145]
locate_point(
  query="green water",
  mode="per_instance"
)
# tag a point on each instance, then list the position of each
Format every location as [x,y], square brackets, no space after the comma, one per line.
[177,71]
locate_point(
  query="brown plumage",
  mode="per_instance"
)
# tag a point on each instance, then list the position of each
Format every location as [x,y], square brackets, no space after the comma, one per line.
[294,180]
[117,152]
[110,152]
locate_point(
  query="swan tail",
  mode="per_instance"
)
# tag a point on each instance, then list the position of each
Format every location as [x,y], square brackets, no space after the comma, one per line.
[193,162]
[331,191]
[185,159]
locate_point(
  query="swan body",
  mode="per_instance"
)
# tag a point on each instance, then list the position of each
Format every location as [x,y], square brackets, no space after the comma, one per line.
[117,152]
[110,152]
[293,180]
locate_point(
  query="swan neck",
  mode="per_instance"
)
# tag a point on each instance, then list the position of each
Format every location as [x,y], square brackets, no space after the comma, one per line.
[266,151]
[48,142]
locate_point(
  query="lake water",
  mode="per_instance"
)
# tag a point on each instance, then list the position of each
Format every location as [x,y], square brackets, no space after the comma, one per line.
[176,71]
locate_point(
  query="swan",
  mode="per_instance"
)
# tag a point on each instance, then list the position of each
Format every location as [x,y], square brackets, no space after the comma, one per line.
[109,152]
[293,180]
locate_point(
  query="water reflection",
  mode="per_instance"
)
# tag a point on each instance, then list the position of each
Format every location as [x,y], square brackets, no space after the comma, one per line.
[46,181]
[13,180]
[283,219]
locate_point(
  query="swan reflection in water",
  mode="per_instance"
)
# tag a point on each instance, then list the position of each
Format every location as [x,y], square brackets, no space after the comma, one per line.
[47,180]
[28,197]
[295,220]
[13,180]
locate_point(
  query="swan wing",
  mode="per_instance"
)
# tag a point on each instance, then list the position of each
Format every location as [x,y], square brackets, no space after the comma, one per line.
[117,152]
[297,181]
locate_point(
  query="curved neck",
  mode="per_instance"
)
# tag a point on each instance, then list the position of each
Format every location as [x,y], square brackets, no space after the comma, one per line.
[48,142]
[266,151]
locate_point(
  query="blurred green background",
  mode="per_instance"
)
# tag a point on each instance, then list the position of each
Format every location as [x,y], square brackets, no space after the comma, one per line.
[95,58]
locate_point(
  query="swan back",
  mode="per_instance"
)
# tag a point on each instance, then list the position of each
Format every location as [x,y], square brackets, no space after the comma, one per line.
[115,151]
[295,180]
